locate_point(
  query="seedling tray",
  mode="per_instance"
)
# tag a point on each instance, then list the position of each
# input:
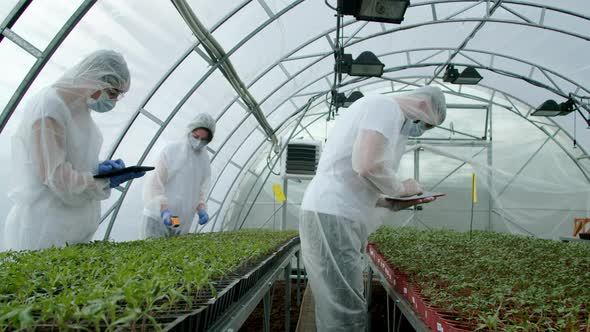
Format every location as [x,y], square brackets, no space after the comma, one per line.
[486,281]
[183,283]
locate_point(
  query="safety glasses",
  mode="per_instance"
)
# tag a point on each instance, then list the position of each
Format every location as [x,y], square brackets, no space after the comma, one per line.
[114,94]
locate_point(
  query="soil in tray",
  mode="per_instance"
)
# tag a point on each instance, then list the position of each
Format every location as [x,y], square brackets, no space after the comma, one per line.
[255,322]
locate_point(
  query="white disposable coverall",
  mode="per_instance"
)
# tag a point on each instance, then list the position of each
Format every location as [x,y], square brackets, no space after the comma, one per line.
[180,181]
[55,155]
[358,164]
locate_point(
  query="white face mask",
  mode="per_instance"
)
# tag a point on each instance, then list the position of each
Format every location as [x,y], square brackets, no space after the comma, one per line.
[197,144]
[102,104]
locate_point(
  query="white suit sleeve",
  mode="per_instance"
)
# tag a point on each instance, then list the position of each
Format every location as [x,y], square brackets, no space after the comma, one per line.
[154,190]
[374,151]
[49,142]
[203,194]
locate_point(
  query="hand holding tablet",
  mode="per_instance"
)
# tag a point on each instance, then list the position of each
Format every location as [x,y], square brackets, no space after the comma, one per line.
[130,169]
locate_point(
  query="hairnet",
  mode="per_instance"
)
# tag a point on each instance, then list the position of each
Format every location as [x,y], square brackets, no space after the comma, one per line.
[426,104]
[102,69]
[202,120]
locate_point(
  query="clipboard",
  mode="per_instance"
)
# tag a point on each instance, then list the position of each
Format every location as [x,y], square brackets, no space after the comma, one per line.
[426,194]
[125,170]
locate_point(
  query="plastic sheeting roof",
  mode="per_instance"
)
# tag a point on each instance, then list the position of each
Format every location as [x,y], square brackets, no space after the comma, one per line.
[282,50]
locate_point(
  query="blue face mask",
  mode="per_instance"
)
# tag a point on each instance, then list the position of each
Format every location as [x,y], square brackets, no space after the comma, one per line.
[102,104]
[414,129]
[197,144]
[417,129]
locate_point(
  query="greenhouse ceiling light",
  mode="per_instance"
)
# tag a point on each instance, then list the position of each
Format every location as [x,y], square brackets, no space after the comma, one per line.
[551,108]
[386,11]
[366,65]
[468,76]
[354,96]
[340,100]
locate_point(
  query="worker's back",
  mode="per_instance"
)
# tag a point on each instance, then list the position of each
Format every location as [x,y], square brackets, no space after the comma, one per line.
[337,189]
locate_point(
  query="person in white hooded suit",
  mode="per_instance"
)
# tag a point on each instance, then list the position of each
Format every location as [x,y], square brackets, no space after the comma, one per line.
[55,156]
[357,170]
[178,187]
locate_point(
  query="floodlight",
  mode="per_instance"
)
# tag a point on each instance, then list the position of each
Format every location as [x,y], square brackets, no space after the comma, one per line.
[451,74]
[340,100]
[468,76]
[354,96]
[386,11]
[550,108]
[366,65]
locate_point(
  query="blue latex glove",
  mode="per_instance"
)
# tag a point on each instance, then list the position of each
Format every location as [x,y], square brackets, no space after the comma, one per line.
[110,165]
[166,215]
[118,179]
[203,217]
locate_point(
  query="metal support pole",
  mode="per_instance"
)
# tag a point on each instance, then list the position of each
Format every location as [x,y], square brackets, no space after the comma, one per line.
[218,54]
[14,15]
[368,289]
[471,221]
[491,188]
[416,177]
[34,71]
[395,318]
[285,189]
[298,278]
[267,308]
[388,313]
[288,297]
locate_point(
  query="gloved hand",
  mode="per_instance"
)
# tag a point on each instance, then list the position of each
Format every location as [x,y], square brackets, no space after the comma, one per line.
[203,217]
[110,165]
[166,215]
[118,179]
[411,188]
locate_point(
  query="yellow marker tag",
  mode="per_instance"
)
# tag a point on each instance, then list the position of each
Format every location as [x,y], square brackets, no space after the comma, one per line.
[279,195]
[473,188]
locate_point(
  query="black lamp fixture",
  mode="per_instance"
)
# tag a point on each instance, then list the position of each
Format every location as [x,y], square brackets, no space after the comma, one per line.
[551,108]
[468,76]
[386,11]
[354,96]
[340,100]
[366,65]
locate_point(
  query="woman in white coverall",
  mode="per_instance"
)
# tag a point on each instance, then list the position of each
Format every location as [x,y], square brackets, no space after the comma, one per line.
[55,153]
[179,185]
[357,167]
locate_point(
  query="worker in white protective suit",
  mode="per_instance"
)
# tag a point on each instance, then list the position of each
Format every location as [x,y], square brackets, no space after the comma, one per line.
[55,156]
[179,185]
[356,171]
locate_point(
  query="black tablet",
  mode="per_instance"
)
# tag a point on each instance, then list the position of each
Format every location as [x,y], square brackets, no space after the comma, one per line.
[124,171]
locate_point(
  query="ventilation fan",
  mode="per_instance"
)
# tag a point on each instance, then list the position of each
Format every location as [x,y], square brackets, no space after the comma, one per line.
[300,159]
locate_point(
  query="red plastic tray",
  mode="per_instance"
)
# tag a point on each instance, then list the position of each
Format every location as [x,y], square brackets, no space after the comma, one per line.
[435,318]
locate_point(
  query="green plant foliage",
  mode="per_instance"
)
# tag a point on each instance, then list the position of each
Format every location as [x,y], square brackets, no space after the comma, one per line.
[496,282]
[106,285]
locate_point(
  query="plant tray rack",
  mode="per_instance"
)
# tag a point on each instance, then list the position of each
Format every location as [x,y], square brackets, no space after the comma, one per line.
[428,318]
[211,312]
